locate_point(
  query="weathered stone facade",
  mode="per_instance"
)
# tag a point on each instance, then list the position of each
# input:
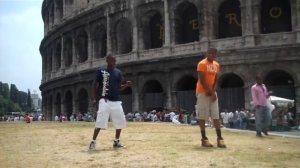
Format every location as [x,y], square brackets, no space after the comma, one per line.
[158,44]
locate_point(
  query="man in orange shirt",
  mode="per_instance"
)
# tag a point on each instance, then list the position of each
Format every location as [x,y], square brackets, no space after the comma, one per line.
[207,100]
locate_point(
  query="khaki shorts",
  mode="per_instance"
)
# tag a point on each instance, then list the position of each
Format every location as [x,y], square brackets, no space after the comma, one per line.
[206,108]
[110,109]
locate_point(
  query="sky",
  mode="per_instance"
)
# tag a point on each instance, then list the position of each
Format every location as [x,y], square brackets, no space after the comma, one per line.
[21,32]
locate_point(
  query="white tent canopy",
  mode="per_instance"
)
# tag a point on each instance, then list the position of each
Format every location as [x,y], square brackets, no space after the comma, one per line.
[282,102]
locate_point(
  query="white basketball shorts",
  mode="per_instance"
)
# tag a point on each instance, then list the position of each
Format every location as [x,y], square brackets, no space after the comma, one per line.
[112,109]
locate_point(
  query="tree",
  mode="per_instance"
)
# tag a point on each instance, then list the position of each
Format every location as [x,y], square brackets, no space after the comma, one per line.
[4,90]
[14,93]
[23,100]
[29,101]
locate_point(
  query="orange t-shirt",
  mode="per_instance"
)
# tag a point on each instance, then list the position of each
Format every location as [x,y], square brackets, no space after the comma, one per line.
[210,71]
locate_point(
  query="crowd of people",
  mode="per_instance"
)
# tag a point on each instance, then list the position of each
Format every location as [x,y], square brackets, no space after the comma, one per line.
[75,117]
[23,117]
[238,119]
[163,116]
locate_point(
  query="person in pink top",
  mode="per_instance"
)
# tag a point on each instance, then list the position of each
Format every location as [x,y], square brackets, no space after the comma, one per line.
[260,96]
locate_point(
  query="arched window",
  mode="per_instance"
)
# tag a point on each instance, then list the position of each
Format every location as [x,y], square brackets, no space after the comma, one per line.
[123,36]
[230,19]
[281,83]
[153,30]
[58,56]
[99,42]
[58,105]
[153,95]
[68,104]
[51,15]
[68,6]
[50,55]
[59,9]
[231,92]
[185,93]
[186,23]
[275,16]
[82,46]
[68,54]
[83,101]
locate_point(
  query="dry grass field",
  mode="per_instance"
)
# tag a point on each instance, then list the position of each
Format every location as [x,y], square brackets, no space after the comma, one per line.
[64,145]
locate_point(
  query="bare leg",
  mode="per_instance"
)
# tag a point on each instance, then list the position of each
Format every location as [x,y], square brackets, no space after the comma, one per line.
[118,133]
[96,132]
[202,128]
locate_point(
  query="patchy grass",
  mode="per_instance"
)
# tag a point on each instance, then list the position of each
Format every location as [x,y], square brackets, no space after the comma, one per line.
[63,145]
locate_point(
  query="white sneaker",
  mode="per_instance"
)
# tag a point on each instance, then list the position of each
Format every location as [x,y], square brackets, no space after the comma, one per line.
[117,144]
[92,145]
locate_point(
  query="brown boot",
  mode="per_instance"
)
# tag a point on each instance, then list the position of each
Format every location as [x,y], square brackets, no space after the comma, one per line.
[221,143]
[206,143]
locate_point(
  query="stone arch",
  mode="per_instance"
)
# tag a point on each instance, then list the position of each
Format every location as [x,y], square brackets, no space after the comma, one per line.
[186,23]
[123,36]
[99,39]
[185,93]
[68,104]
[153,95]
[126,98]
[231,92]
[68,51]
[281,83]
[58,56]
[153,29]
[82,101]
[229,19]
[57,104]
[275,16]
[82,46]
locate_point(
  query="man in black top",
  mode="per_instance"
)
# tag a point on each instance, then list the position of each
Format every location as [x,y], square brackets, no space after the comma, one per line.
[106,91]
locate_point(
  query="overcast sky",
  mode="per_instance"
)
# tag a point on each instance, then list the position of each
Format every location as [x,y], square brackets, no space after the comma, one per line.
[21,31]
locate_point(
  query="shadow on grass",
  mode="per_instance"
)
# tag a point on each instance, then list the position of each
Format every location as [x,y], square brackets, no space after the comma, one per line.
[206,149]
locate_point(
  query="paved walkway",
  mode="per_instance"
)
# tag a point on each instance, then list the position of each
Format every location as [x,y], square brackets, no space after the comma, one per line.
[292,133]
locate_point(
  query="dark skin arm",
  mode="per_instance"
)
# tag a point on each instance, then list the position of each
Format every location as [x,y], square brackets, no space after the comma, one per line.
[125,85]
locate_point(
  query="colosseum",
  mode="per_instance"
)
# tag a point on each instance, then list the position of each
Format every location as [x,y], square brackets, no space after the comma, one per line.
[158,44]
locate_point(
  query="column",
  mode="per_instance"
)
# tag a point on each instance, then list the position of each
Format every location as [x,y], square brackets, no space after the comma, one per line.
[297,20]
[90,48]
[297,103]
[109,47]
[135,94]
[62,58]
[255,5]
[247,23]
[74,53]
[207,23]
[135,39]
[53,60]
[167,29]
[168,90]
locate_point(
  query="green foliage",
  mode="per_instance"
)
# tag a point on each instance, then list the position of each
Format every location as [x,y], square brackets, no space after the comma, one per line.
[14,93]
[29,101]
[13,100]
[4,90]
[6,105]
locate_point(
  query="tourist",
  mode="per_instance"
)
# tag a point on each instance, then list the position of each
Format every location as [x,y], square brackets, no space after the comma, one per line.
[207,99]
[106,96]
